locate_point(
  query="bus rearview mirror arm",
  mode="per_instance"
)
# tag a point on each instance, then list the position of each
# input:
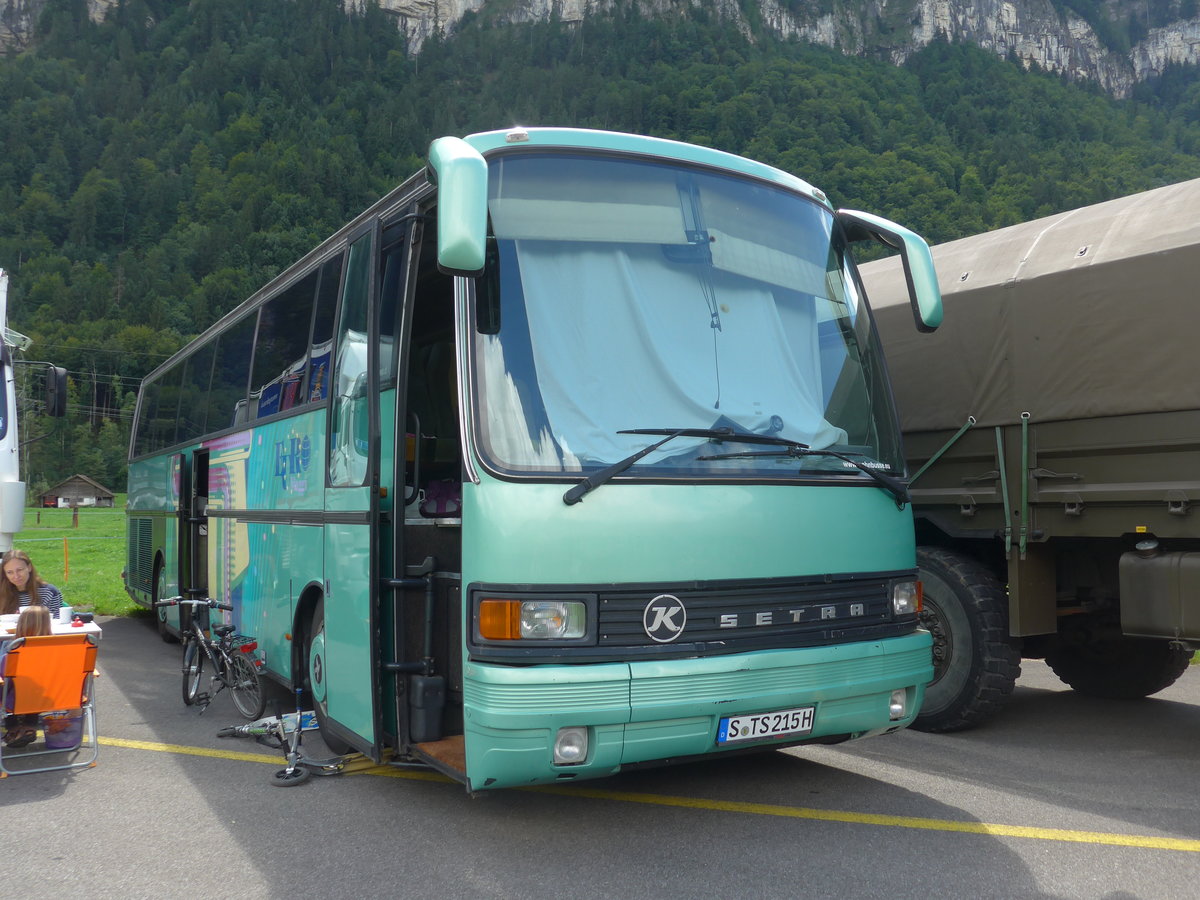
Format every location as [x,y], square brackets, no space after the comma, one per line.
[919,273]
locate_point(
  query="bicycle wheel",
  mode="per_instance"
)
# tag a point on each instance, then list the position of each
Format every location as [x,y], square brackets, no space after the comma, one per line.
[245,686]
[292,777]
[193,666]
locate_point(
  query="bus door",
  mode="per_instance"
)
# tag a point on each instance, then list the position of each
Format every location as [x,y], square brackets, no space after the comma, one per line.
[193,531]
[426,639]
[342,669]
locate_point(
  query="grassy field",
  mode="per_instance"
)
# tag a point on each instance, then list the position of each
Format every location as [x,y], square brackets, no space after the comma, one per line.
[85,562]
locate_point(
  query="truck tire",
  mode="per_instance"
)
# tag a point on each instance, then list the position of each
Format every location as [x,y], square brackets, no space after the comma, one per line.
[975,662]
[1094,658]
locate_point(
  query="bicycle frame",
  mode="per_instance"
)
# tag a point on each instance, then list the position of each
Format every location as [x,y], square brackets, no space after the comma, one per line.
[231,665]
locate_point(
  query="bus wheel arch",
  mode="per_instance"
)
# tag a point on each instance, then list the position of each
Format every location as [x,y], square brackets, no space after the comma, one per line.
[311,614]
[976,663]
[159,592]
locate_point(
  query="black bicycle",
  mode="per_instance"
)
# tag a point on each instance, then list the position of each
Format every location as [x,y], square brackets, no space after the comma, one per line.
[227,652]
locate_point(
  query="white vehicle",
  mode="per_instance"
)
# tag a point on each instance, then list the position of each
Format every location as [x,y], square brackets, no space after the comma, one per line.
[12,488]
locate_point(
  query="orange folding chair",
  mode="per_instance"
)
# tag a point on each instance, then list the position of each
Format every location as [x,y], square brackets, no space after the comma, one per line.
[51,674]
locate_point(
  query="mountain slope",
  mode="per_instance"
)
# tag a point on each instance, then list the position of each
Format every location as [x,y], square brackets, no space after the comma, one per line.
[1115,44]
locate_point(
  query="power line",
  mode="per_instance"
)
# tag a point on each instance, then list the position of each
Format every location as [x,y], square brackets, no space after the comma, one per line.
[74,347]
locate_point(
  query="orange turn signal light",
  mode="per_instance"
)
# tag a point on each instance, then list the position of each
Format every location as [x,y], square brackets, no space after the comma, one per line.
[500,620]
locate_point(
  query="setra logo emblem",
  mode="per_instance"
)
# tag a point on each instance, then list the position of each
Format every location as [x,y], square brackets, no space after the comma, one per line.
[664,618]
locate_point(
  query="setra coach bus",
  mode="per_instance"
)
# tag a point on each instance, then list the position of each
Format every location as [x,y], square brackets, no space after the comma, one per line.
[575,452]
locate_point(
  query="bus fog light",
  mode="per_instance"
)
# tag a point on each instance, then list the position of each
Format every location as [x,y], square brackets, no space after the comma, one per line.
[571,746]
[906,598]
[899,705]
[553,620]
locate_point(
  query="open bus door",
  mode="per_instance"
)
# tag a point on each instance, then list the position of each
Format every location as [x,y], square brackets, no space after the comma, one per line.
[342,671]
[190,565]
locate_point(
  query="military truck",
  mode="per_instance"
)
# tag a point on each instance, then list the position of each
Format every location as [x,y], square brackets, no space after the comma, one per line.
[1052,429]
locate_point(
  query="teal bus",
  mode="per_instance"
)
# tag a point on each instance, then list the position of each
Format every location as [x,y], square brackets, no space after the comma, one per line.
[576,452]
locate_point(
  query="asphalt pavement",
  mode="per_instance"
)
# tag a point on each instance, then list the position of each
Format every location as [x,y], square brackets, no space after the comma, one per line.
[1061,796]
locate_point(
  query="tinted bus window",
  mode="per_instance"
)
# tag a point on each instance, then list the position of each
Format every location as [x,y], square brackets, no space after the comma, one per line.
[193,397]
[391,293]
[146,416]
[322,336]
[348,422]
[161,427]
[281,348]
[227,400]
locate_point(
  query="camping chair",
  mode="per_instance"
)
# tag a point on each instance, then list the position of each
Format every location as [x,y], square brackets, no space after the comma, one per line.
[51,674]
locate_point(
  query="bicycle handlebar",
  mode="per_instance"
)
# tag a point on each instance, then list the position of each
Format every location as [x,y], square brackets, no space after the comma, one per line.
[189,601]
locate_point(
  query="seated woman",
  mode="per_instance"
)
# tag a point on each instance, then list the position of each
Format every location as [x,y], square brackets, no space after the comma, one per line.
[21,730]
[20,585]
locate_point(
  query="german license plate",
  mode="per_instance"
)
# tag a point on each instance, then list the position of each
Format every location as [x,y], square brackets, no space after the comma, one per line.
[766,725]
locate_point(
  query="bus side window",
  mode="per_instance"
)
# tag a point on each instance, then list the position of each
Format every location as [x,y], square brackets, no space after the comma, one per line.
[322,336]
[348,419]
[281,350]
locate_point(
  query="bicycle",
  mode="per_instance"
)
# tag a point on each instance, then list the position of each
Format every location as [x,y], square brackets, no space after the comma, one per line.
[227,652]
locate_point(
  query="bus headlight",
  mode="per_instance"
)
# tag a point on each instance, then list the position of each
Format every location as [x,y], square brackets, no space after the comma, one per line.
[898,708]
[570,746]
[906,598]
[532,620]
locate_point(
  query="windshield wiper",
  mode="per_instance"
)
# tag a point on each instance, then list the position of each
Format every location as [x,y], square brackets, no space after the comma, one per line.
[575,494]
[893,486]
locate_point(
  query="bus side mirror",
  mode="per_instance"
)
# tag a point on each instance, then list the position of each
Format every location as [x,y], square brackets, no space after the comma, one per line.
[56,391]
[919,274]
[462,179]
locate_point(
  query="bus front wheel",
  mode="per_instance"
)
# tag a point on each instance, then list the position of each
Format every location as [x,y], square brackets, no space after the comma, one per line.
[315,680]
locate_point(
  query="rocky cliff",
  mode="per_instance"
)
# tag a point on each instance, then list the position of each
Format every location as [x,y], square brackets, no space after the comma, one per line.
[1037,32]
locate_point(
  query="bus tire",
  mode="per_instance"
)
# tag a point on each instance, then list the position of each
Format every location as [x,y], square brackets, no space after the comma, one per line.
[314,674]
[160,612]
[976,663]
[1095,659]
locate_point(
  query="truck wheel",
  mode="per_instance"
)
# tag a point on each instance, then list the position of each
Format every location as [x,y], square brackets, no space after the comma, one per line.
[1094,658]
[975,662]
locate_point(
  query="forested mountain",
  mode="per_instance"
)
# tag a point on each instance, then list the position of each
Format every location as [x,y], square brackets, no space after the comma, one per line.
[158,166]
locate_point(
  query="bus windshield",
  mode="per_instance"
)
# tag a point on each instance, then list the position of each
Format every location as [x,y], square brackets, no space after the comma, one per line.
[623,294]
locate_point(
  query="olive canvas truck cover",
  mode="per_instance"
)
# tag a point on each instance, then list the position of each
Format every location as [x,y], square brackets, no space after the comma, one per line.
[1072,343]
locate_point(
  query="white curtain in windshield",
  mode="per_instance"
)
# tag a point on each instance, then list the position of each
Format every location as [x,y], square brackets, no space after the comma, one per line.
[624,338]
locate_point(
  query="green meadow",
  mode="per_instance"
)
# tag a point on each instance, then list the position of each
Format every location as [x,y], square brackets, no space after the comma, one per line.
[83,555]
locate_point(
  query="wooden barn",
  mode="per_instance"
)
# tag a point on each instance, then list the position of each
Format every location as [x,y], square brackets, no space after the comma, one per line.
[78,490]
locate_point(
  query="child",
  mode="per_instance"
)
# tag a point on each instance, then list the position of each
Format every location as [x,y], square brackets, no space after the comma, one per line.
[21,730]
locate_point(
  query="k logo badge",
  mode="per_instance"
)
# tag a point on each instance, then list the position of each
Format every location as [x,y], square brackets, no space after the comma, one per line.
[664,618]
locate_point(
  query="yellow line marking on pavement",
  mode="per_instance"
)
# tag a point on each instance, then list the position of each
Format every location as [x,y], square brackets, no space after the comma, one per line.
[829,815]
[276,759]
[188,751]
[1111,839]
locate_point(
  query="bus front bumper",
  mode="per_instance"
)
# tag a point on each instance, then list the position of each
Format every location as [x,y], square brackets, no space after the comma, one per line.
[643,712]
